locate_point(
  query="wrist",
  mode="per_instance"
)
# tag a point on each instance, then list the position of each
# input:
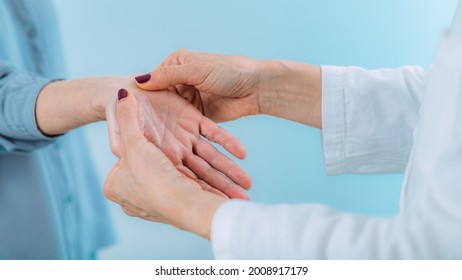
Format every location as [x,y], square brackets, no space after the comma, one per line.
[271,75]
[65,105]
[102,94]
[198,212]
[291,90]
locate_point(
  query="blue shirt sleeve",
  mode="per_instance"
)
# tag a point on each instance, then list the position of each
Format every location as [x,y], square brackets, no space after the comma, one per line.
[18,95]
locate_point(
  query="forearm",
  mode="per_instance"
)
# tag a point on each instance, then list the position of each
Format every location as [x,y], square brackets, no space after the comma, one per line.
[291,90]
[65,105]
[367,116]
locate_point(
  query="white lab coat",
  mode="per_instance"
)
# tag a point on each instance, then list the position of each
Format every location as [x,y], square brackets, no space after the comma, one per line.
[373,121]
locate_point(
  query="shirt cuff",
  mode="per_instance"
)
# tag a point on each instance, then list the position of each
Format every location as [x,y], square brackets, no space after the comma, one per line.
[333,119]
[20,120]
[19,130]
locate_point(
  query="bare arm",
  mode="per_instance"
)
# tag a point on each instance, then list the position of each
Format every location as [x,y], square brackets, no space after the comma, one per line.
[292,91]
[367,116]
[65,105]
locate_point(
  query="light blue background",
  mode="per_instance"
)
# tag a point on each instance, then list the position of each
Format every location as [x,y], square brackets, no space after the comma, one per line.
[284,158]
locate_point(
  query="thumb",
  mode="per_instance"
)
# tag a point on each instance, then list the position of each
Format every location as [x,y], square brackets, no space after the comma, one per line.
[163,77]
[127,119]
[113,129]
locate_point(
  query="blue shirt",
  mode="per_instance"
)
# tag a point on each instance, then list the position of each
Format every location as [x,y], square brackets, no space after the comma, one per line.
[51,201]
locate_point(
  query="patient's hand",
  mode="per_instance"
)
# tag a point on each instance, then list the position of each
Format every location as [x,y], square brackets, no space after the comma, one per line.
[176,127]
[146,184]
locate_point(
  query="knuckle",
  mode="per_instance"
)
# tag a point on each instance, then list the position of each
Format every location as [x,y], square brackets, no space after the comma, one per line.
[127,208]
[182,57]
[115,148]
[108,191]
[128,212]
[215,137]
[229,186]
[143,215]
[213,155]
[110,185]
[177,52]
[181,52]
[164,72]
[208,171]
[232,168]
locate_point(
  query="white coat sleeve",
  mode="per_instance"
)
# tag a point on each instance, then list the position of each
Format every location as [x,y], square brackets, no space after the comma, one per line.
[369,117]
[244,230]
[368,123]
[429,226]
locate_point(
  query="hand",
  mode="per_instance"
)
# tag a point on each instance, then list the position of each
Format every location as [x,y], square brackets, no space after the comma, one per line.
[222,87]
[168,120]
[229,87]
[176,127]
[147,185]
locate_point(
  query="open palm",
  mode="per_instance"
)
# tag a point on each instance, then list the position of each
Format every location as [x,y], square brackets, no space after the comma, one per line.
[175,126]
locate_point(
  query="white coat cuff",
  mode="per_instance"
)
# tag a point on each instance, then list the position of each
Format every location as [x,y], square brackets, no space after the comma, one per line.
[333,119]
[224,227]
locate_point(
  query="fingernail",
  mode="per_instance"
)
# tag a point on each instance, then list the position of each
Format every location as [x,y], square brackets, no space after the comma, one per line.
[143,78]
[122,93]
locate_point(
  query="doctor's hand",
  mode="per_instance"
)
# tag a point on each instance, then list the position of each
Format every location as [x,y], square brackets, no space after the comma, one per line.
[147,184]
[222,87]
[228,87]
[176,127]
[169,121]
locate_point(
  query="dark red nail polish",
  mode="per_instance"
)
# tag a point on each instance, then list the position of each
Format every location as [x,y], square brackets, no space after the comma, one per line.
[143,78]
[122,93]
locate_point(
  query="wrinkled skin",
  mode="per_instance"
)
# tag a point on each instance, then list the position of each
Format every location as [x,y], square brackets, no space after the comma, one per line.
[176,127]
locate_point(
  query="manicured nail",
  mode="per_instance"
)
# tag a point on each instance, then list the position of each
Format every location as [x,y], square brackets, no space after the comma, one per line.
[122,93]
[143,78]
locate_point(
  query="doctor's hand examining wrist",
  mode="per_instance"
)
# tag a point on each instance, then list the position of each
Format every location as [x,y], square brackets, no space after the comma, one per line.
[177,128]
[227,87]
[146,183]
[167,120]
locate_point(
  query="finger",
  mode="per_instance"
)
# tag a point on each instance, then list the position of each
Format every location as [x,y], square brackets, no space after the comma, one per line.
[163,77]
[208,188]
[127,120]
[214,133]
[113,130]
[214,178]
[179,57]
[186,171]
[191,94]
[222,163]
